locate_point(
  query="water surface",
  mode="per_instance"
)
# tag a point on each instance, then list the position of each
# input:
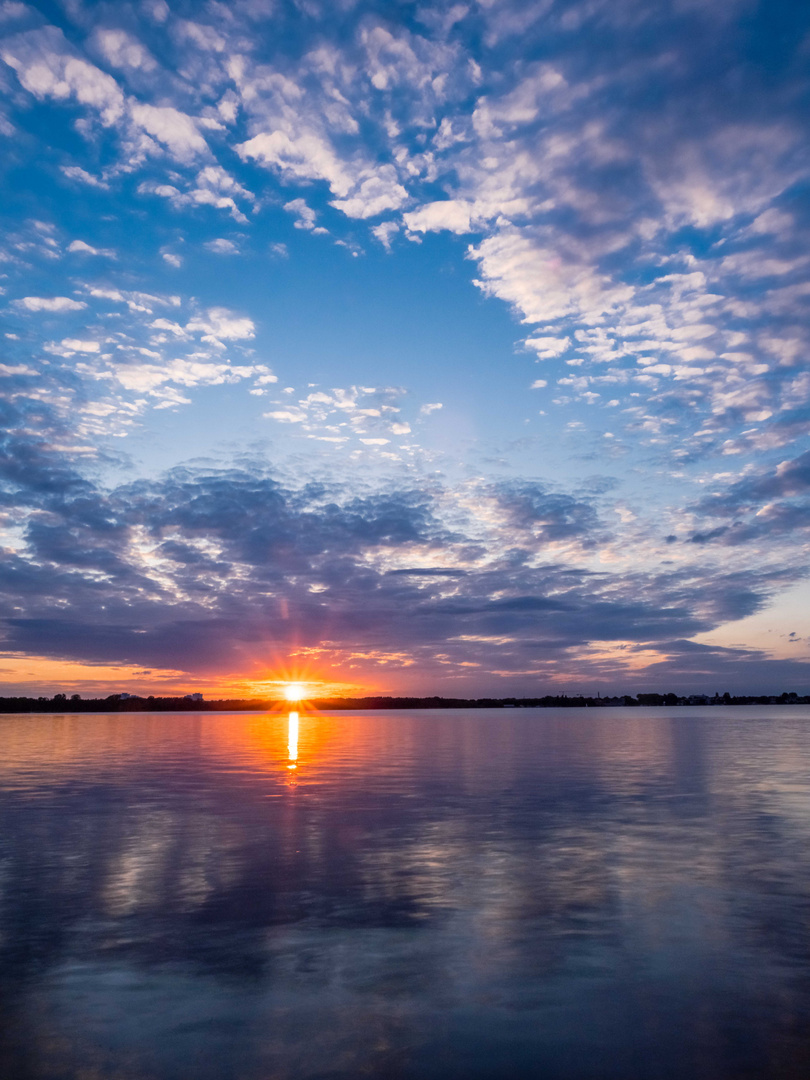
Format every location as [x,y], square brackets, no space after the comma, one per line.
[566,894]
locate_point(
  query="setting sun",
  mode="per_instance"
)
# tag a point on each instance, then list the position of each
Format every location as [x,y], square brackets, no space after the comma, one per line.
[294,691]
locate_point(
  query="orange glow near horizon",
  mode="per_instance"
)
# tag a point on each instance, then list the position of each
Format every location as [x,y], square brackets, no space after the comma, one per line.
[29,675]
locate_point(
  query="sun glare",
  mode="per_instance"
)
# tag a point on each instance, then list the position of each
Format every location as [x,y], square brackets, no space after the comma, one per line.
[293,691]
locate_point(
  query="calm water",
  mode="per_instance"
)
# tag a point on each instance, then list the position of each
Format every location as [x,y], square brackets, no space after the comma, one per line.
[562,894]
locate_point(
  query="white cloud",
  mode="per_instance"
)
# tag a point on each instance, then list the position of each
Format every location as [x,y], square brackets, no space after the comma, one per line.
[74,172]
[81,248]
[46,68]
[77,345]
[216,179]
[752,265]
[374,196]
[170,327]
[426,410]
[221,246]
[123,50]
[451,214]
[219,324]
[305,214]
[50,303]
[135,301]
[304,156]
[215,187]
[286,416]
[737,168]
[410,65]
[147,378]
[541,283]
[204,37]
[543,92]
[174,129]
[547,347]
[385,232]
[17,369]
[158,10]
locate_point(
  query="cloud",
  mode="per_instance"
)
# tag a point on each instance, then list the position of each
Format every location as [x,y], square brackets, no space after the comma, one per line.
[385,232]
[75,172]
[547,347]
[764,504]
[737,168]
[305,215]
[547,515]
[286,416]
[452,215]
[157,9]
[219,324]
[82,248]
[541,282]
[367,414]
[77,345]
[202,36]
[50,303]
[374,195]
[47,68]
[212,186]
[182,558]
[177,131]
[221,246]
[141,302]
[122,50]
[152,378]
[305,156]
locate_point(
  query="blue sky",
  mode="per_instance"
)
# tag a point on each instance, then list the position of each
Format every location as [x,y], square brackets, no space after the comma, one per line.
[450,347]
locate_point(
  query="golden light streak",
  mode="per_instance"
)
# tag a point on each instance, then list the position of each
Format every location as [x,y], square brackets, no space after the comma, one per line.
[292,740]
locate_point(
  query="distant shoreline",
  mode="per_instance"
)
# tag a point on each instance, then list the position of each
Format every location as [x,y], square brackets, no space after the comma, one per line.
[127,703]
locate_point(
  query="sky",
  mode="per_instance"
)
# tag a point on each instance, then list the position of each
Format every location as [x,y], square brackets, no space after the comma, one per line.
[428,348]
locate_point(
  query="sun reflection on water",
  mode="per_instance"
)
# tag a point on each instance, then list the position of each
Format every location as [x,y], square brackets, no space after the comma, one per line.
[292,741]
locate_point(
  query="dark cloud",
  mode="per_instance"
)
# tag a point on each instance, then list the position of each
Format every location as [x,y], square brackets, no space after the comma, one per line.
[549,515]
[429,571]
[214,571]
[766,503]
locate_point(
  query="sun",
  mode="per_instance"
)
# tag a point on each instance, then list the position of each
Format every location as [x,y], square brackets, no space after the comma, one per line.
[294,691]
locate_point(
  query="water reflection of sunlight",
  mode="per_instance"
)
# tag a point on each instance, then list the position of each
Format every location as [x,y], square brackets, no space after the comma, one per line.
[292,741]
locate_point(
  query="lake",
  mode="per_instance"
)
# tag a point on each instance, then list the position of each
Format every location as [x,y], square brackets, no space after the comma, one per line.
[578,894]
